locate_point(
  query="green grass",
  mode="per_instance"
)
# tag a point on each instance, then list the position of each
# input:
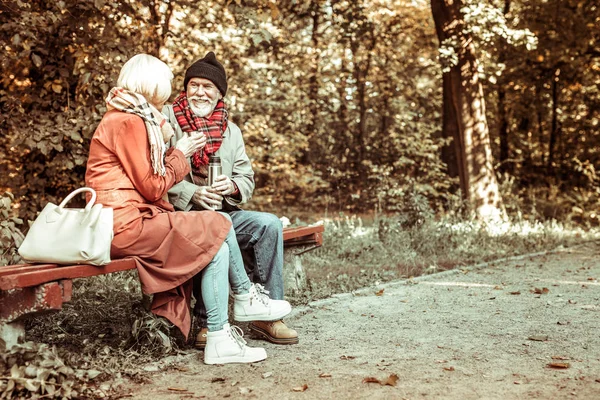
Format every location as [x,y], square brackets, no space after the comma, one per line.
[356,255]
[107,327]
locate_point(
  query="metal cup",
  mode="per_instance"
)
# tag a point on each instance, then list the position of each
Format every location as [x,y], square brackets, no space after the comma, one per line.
[214,170]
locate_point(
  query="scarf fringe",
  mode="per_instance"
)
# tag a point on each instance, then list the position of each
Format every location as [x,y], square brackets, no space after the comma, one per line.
[133,103]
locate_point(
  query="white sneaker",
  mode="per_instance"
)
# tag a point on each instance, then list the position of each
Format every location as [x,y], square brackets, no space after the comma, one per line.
[257,306]
[228,346]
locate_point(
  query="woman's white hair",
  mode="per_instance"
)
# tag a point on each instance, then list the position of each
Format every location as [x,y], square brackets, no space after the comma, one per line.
[147,75]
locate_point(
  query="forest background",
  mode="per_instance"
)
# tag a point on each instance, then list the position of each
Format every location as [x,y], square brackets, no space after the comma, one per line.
[469,129]
[397,107]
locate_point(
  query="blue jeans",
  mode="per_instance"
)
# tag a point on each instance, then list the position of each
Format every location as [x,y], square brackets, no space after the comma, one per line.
[211,286]
[260,238]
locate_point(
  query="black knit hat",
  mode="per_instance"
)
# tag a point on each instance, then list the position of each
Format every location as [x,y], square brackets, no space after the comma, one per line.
[208,68]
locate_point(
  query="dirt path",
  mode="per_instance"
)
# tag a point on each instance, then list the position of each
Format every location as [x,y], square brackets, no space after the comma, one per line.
[479,333]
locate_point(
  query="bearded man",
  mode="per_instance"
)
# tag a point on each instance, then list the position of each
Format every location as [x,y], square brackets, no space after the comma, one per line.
[200,107]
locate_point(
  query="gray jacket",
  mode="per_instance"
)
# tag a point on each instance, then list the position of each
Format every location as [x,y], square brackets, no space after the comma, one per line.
[234,160]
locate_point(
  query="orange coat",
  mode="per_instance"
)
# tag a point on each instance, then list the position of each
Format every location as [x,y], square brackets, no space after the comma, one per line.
[169,247]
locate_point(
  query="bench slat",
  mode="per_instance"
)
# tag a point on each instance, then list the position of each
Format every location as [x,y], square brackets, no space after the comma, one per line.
[292,233]
[28,275]
[20,268]
[35,278]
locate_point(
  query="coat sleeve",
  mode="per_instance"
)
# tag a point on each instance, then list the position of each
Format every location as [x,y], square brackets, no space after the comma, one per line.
[181,194]
[242,175]
[133,150]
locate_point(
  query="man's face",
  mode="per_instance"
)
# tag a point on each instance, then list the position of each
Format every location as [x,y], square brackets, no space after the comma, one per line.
[203,96]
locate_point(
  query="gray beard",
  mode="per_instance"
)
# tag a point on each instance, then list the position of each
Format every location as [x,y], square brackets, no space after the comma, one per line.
[203,111]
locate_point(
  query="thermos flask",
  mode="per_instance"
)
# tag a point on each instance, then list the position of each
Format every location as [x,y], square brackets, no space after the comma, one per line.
[214,170]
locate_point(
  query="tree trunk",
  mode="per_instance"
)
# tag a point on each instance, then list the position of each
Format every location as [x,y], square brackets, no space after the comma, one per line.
[502,118]
[554,129]
[313,80]
[464,94]
[452,153]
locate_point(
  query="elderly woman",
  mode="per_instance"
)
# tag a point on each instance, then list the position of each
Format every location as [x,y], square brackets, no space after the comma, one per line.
[131,172]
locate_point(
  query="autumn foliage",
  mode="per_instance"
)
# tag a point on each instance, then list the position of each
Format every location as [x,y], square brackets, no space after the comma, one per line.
[340,102]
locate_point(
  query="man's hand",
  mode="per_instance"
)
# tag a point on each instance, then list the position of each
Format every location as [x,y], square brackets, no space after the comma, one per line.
[189,144]
[206,197]
[223,185]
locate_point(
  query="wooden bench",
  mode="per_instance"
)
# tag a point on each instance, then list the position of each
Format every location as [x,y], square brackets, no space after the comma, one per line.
[28,289]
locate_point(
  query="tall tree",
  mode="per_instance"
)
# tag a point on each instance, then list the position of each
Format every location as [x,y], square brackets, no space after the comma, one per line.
[464,113]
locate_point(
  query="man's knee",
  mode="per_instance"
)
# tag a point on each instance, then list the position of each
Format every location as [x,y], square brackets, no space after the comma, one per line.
[271,222]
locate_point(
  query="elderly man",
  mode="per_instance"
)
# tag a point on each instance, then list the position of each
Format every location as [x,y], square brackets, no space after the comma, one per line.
[200,107]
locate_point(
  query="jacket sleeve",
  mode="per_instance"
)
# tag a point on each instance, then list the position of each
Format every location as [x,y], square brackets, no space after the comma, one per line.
[133,150]
[181,194]
[242,175]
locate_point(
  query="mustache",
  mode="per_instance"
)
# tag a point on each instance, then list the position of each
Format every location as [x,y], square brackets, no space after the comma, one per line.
[198,98]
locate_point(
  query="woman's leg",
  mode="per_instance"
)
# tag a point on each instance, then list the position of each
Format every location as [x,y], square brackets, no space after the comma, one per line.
[215,289]
[238,279]
[224,343]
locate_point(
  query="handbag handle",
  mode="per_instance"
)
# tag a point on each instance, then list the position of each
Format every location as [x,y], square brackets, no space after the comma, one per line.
[74,193]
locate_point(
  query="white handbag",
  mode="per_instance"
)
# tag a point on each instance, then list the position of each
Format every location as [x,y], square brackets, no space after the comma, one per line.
[62,235]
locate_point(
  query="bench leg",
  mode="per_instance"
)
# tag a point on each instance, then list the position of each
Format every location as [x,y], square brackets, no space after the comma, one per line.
[294,276]
[16,304]
[12,334]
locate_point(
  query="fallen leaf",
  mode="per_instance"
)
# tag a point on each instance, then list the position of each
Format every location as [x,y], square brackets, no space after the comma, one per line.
[448,368]
[515,292]
[371,379]
[540,291]
[391,380]
[591,279]
[300,388]
[558,365]
[213,380]
[347,357]
[563,323]
[559,358]
[325,375]
[497,287]
[539,338]
[379,292]
[572,301]
[177,389]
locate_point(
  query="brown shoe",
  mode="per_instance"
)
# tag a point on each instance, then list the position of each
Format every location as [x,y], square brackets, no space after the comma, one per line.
[201,338]
[274,331]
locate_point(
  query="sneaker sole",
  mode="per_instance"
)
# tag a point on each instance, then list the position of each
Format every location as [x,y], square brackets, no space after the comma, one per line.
[272,317]
[232,360]
[265,335]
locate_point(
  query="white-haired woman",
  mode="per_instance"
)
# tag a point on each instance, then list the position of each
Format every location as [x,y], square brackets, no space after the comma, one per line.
[131,172]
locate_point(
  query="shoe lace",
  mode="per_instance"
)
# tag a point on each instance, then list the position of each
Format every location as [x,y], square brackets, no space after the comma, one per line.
[238,335]
[262,294]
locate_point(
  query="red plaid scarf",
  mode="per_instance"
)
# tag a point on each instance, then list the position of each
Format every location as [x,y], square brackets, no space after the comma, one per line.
[213,127]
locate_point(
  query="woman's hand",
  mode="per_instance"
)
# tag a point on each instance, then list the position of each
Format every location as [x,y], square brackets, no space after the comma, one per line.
[190,144]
